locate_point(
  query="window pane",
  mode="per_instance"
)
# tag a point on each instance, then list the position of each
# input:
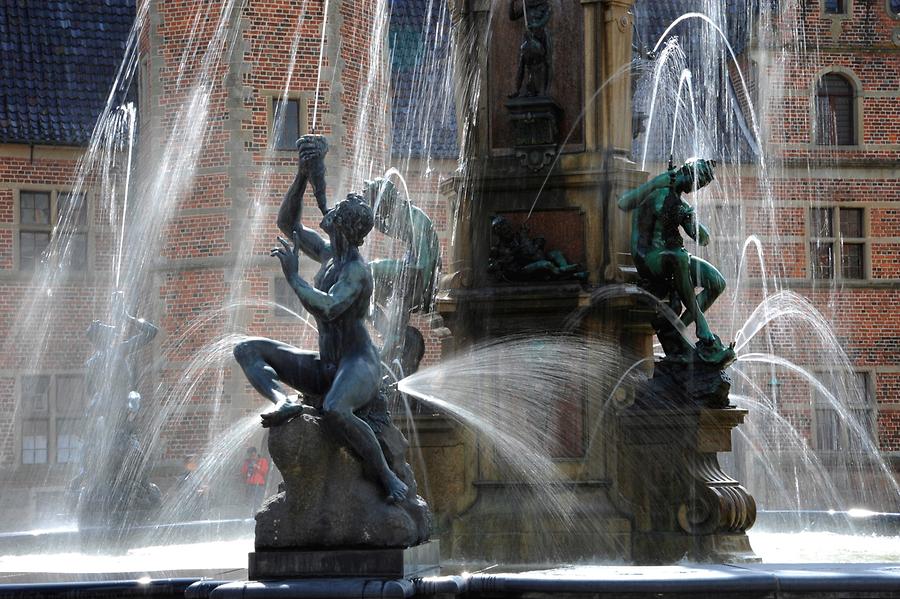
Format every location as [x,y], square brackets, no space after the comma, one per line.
[865,419]
[834,111]
[895,6]
[727,220]
[852,222]
[71,209]
[834,6]
[68,441]
[75,256]
[287,123]
[285,296]
[36,393]
[852,261]
[827,430]
[34,207]
[34,442]
[822,258]
[821,224]
[70,394]
[32,245]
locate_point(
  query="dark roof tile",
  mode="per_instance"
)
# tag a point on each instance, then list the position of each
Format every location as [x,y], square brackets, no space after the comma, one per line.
[40,43]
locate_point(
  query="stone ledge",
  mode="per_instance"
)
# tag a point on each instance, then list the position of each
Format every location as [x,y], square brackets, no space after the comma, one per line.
[418,561]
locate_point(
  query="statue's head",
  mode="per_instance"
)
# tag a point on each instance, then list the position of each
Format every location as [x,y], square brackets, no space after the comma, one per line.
[695,174]
[351,217]
[501,228]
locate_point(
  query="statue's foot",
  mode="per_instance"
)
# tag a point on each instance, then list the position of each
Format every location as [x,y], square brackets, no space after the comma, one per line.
[281,413]
[713,352]
[397,491]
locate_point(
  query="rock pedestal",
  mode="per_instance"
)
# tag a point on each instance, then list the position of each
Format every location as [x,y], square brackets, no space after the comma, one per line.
[327,501]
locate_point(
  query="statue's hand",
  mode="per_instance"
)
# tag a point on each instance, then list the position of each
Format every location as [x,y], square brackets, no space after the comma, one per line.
[312,150]
[289,256]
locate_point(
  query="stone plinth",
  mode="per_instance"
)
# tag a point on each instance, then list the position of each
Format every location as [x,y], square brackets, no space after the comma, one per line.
[684,505]
[418,561]
[326,501]
[535,126]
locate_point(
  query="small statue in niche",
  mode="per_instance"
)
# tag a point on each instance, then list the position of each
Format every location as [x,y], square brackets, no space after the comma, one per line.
[535,69]
[667,269]
[516,256]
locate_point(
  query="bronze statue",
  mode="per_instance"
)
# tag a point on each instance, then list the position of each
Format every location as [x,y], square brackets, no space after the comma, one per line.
[415,274]
[346,371]
[535,53]
[113,488]
[667,269]
[516,256]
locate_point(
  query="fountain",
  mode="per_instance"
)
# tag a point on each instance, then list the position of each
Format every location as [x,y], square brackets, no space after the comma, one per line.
[553,429]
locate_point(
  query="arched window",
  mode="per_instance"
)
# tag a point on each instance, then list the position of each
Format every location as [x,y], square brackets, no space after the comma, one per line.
[893,7]
[835,116]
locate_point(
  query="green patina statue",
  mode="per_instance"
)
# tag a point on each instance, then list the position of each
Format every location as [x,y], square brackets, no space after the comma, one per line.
[408,282]
[668,271]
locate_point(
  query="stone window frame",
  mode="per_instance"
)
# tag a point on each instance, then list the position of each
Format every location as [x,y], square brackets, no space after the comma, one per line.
[279,313]
[308,270]
[869,407]
[858,121]
[837,242]
[272,100]
[51,228]
[54,414]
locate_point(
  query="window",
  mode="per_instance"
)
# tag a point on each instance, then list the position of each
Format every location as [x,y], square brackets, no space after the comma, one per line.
[288,123]
[39,211]
[34,235]
[725,223]
[53,407]
[849,425]
[285,296]
[849,243]
[835,7]
[835,114]
[72,210]
[34,441]
[893,8]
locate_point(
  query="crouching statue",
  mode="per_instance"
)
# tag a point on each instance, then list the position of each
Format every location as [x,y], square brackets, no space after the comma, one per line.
[327,500]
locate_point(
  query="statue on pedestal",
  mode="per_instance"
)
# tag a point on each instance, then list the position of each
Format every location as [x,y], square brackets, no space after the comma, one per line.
[670,273]
[341,384]
[535,53]
[113,489]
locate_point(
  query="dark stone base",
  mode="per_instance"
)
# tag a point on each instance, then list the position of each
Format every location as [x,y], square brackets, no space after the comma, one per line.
[685,384]
[418,561]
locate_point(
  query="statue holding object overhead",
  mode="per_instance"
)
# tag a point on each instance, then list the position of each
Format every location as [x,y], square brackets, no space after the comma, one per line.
[667,269]
[340,388]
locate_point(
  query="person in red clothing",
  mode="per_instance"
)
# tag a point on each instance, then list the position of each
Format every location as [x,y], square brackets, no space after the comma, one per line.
[255,471]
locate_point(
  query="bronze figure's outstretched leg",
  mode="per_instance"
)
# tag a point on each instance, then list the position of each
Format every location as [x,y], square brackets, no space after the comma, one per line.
[354,387]
[267,363]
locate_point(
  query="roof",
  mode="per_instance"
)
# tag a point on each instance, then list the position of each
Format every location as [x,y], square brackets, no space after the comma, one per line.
[724,128]
[422,109]
[58,61]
